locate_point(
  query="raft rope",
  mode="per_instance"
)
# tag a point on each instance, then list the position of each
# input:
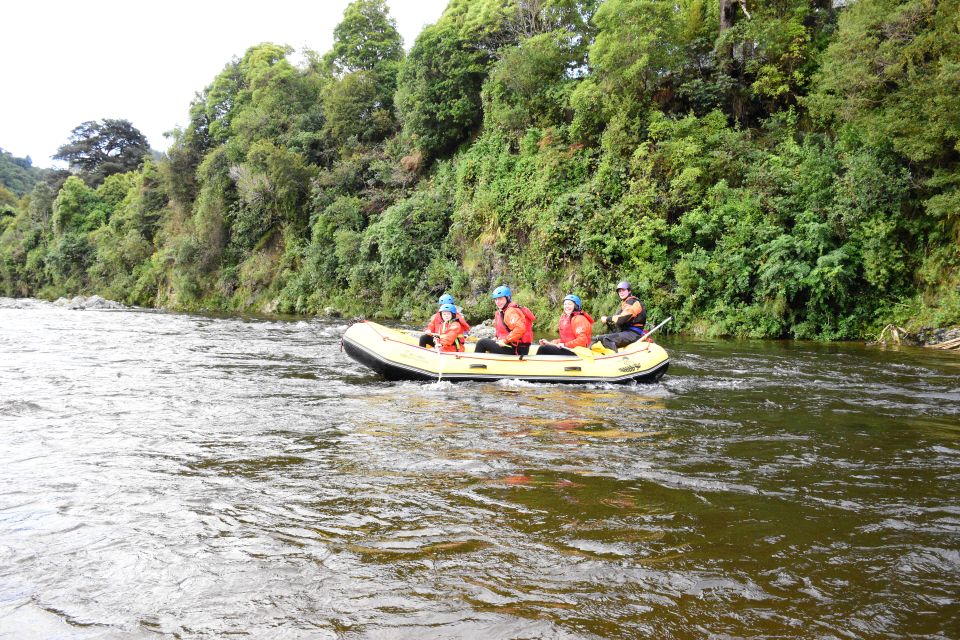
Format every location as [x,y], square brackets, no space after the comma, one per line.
[459,355]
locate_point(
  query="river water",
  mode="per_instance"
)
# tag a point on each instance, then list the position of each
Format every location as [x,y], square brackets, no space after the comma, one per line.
[176,476]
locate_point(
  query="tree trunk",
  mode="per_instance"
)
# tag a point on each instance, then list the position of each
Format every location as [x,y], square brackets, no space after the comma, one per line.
[727,9]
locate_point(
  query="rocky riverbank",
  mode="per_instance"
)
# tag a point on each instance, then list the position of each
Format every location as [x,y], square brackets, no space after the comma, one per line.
[939,338]
[81,303]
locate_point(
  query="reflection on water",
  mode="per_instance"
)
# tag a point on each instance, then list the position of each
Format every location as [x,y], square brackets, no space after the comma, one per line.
[182,476]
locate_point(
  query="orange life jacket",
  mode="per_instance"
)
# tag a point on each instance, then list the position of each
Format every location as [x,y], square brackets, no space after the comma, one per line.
[575,329]
[514,324]
[633,315]
[434,325]
[450,336]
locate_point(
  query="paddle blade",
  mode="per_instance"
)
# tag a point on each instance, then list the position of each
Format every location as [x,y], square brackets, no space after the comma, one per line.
[584,353]
[599,349]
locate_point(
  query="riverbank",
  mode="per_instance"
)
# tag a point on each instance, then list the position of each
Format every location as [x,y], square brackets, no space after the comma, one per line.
[928,337]
[83,303]
[935,338]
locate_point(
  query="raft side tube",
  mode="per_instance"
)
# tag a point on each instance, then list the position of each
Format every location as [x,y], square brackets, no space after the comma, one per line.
[394,369]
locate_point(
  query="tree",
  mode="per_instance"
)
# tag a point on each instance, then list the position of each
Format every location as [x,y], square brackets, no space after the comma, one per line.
[366,38]
[364,61]
[100,149]
[636,48]
[438,96]
[353,107]
[534,17]
[890,79]
[529,85]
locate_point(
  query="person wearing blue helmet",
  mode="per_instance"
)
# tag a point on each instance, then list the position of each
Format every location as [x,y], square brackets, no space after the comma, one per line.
[513,324]
[434,326]
[627,323]
[575,326]
[449,335]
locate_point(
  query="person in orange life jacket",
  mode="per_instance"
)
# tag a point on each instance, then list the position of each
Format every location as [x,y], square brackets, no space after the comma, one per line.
[629,321]
[513,324]
[433,327]
[575,327]
[449,334]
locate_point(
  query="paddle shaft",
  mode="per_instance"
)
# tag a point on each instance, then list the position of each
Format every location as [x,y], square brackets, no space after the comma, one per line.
[656,328]
[413,332]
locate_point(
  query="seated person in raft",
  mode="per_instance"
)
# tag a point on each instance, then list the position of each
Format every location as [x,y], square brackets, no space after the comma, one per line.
[629,320]
[449,335]
[575,326]
[513,324]
[433,327]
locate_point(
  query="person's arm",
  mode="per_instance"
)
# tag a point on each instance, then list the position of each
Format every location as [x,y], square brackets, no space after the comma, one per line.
[513,318]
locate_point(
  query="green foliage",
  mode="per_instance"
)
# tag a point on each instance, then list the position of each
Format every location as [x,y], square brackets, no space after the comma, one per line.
[97,150]
[365,60]
[528,86]
[365,40]
[18,175]
[438,94]
[788,171]
[354,108]
[891,78]
[894,72]
[78,208]
[635,45]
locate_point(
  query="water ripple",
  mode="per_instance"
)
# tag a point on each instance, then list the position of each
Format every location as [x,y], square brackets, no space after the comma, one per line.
[191,476]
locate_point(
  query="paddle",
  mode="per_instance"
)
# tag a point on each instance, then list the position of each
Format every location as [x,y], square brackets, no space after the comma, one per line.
[413,332]
[584,352]
[654,330]
[440,366]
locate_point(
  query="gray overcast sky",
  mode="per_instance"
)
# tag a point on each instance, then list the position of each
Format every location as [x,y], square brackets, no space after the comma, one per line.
[63,62]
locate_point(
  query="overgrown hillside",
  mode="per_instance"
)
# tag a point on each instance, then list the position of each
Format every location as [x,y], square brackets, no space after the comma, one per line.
[769,169]
[18,177]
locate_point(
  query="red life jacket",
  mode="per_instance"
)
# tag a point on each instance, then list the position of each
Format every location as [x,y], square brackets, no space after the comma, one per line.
[569,325]
[503,330]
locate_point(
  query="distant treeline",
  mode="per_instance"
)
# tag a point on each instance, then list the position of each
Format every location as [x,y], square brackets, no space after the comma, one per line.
[18,177]
[766,168]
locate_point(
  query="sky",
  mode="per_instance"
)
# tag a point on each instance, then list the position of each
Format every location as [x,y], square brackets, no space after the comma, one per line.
[64,62]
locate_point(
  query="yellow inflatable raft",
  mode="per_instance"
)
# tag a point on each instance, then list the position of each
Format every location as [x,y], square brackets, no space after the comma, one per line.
[397,356]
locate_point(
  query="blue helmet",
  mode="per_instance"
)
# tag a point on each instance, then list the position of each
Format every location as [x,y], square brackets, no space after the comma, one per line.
[448,307]
[503,291]
[446,299]
[624,284]
[575,299]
